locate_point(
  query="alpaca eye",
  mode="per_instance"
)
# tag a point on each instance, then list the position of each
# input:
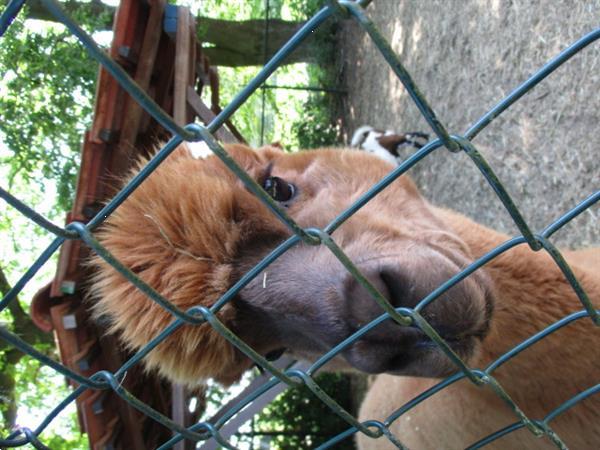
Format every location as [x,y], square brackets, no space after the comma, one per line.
[279,189]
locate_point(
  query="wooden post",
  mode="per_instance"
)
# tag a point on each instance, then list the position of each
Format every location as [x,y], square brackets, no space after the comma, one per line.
[182,66]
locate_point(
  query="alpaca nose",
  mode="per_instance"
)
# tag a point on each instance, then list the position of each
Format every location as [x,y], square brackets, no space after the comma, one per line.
[390,281]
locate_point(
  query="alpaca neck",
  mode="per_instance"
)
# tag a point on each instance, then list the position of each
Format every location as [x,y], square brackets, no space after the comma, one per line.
[532,293]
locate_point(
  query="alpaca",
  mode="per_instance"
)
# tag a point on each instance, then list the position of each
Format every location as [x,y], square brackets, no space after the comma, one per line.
[192,229]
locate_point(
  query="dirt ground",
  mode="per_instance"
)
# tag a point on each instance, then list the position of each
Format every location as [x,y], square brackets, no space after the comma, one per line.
[466,56]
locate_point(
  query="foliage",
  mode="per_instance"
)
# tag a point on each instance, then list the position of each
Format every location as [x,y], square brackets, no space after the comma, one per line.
[317,129]
[39,389]
[298,419]
[46,103]
[294,118]
[230,10]
[255,9]
[304,9]
[46,94]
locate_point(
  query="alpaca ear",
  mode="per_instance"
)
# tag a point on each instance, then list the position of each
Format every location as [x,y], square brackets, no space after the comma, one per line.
[271,152]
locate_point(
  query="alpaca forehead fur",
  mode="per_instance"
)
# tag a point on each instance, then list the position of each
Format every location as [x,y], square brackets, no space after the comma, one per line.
[178,233]
[181,231]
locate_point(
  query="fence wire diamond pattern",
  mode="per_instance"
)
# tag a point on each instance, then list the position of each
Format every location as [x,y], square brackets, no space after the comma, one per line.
[540,241]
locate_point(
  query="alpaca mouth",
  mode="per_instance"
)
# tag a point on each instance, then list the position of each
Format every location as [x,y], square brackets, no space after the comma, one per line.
[429,359]
[412,353]
[461,345]
[460,342]
[274,355]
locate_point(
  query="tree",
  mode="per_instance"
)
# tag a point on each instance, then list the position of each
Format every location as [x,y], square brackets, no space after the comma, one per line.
[226,42]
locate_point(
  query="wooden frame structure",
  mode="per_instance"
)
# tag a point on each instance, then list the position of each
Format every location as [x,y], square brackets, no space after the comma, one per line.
[156,44]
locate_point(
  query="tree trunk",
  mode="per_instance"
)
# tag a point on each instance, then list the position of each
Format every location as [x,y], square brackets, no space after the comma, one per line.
[8,398]
[226,43]
[22,326]
[95,8]
[229,43]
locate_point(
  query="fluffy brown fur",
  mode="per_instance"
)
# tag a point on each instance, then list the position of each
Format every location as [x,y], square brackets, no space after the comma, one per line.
[192,229]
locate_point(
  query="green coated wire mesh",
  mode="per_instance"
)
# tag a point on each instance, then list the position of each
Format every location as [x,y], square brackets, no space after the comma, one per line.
[105,380]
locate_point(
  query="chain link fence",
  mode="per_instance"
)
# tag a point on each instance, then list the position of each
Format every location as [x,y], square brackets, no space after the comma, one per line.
[412,317]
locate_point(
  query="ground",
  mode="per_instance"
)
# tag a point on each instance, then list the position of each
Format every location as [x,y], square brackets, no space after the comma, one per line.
[466,56]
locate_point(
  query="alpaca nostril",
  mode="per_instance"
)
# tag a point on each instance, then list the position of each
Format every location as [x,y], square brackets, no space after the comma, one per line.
[401,291]
[360,304]
[389,281]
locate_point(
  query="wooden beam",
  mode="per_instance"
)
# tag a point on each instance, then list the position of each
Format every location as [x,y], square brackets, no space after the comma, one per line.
[184,76]
[193,46]
[109,94]
[143,73]
[182,66]
[206,116]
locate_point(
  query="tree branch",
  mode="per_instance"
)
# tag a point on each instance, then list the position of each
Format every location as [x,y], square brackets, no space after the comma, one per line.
[8,401]
[94,8]
[14,307]
[23,326]
[230,43]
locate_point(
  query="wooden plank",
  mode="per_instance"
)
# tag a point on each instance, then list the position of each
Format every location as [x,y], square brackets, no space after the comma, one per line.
[182,66]
[106,102]
[94,424]
[130,46]
[144,71]
[179,412]
[127,413]
[84,177]
[206,116]
[108,91]
[68,273]
[124,25]
[109,439]
[89,193]
[67,340]
[191,81]
[88,179]
[134,112]
[129,20]
[68,346]
[162,83]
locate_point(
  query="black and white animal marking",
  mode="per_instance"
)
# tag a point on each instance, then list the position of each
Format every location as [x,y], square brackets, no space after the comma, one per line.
[386,144]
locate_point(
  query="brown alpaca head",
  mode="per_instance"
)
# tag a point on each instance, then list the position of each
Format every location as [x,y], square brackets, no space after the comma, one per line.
[192,229]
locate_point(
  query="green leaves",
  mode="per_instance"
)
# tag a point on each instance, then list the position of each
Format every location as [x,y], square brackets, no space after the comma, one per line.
[46,104]
[298,419]
[47,87]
